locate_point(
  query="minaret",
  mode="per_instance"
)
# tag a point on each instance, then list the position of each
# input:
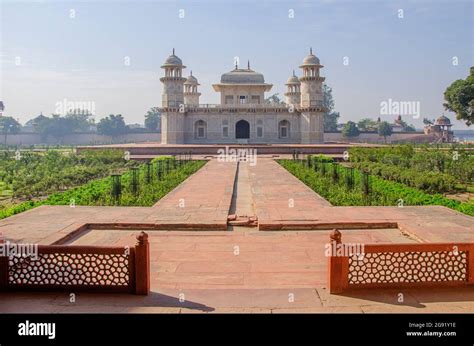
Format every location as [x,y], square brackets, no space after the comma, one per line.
[173,82]
[293,94]
[172,120]
[191,94]
[311,82]
[312,110]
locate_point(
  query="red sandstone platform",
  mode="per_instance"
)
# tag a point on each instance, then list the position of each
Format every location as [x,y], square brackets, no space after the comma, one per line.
[241,269]
[283,271]
[154,149]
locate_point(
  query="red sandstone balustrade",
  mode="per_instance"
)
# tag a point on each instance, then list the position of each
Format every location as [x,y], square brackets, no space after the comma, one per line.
[400,265]
[142,265]
[82,268]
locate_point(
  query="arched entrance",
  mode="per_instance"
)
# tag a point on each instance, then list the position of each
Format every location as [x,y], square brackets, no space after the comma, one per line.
[242,129]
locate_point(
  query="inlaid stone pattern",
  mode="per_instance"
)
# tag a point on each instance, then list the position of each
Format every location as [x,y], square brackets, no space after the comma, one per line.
[70,269]
[408,267]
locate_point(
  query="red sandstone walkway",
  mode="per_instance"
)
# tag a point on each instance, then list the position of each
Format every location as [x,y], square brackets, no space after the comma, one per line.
[284,202]
[203,199]
[279,196]
[243,269]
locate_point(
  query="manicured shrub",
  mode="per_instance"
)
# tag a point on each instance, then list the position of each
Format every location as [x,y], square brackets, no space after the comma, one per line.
[381,191]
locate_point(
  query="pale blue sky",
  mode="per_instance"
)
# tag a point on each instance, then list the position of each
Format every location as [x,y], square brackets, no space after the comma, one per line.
[82,58]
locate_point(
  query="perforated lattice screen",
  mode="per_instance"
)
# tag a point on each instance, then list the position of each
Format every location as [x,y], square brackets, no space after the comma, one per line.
[408,267]
[70,269]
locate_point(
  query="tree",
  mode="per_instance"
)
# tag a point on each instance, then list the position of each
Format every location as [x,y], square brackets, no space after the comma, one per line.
[384,130]
[80,119]
[459,98]
[330,117]
[35,121]
[153,119]
[274,99]
[113,125]
[56,127]
[8,125]
[367,124]
[350,130]
[427,121]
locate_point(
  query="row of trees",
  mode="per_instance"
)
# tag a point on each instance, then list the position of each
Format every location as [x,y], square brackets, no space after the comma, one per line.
[459,98]
[351,130]
[368,124]
[75,121]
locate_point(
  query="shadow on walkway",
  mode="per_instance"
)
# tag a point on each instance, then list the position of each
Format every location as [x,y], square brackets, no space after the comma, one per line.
[53,302]
[413,297]
[155,299]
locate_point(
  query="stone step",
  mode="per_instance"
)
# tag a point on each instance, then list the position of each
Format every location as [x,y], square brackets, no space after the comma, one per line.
[242,220]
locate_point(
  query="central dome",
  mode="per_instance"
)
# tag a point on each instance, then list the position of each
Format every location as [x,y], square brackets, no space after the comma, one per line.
[242,76]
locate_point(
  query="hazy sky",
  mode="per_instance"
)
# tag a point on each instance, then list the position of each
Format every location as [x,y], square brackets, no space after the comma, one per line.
[79,51]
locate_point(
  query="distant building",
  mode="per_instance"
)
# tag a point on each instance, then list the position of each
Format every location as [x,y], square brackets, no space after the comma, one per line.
[398,125]
[441,129]
[2,108]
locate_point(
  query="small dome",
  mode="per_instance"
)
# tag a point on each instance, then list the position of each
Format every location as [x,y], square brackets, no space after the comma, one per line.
[443,120]
[173,60]
[242,76]
[293,79]
[191,80]
[311,59]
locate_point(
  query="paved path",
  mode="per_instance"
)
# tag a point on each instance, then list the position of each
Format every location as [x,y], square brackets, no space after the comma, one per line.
[284,202]
[203,199]
[277,198]
[280,196]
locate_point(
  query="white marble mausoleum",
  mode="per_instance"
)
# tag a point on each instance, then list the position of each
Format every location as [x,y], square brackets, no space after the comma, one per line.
[243,115]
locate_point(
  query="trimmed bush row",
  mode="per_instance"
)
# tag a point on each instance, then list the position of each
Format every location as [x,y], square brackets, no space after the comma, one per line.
[98,192]
[36,175]
[434,171]
[381,192]
[430,182]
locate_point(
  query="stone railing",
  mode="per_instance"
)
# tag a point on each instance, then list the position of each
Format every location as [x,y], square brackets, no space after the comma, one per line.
[210,106]
[399,265]
[78,268]
[245,105]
